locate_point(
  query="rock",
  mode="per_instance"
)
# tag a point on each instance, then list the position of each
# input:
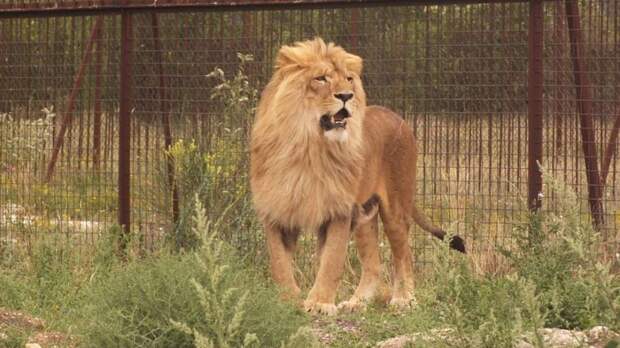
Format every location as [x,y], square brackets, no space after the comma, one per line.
[32,345]
[21,320]
[435,335]
[599,333]
[396,342]
[596,337]
[49,339]
[563,338]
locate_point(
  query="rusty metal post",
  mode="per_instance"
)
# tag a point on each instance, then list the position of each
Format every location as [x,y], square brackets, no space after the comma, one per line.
[535,104]
[584,105]
[610,150]
[68,115]
[354,32]
[165,114]
[124,134]
[97,107]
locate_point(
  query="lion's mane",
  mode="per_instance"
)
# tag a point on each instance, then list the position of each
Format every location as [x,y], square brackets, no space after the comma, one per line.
[298,178]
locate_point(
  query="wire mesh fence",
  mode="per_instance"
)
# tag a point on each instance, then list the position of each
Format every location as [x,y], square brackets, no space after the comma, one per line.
[458,73]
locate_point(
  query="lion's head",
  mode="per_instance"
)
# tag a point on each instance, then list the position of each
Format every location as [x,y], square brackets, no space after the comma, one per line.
[316,90]
[307,143]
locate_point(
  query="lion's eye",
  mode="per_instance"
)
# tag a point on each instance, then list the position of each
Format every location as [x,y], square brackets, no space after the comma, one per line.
[350,79]
[321,78]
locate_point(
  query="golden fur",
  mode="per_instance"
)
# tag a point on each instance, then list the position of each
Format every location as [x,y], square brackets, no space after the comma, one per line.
[298,179]
[308,177]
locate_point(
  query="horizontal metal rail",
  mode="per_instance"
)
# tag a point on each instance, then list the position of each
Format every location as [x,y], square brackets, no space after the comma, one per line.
[68,8]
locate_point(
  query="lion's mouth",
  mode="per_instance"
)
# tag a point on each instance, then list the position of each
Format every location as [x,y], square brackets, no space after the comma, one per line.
[338,120]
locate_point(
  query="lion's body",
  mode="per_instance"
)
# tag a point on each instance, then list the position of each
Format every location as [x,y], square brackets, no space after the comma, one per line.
[305,177]
[308,183]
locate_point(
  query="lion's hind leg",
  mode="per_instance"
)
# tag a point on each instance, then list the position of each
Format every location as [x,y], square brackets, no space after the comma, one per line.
[367,243]
[396,227]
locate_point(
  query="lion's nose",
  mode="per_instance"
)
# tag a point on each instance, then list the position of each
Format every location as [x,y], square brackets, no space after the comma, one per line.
[344,96]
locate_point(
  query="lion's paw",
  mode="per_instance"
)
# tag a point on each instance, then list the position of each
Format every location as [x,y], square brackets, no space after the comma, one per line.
[402,302]
[354,304]
[320,308]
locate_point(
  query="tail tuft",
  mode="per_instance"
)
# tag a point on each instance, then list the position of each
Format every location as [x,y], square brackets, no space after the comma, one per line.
[457,243]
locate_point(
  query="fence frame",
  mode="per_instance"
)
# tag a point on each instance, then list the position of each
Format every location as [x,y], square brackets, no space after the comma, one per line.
[116,7]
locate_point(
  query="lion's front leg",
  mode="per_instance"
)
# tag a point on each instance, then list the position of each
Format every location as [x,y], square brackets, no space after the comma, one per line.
[331,266]
[281,243]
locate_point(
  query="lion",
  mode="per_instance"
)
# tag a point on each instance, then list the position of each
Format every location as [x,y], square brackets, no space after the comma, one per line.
[320,159]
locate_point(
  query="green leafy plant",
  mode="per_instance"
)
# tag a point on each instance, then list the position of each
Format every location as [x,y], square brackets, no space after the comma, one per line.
[481,310]
[206,296]
[557,278]
[225,308]
[215,168]
[560,253]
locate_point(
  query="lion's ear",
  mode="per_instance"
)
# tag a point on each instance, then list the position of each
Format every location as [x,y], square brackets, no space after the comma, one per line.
[354,63]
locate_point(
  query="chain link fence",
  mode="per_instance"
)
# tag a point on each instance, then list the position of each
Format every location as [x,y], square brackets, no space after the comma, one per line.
[109,118]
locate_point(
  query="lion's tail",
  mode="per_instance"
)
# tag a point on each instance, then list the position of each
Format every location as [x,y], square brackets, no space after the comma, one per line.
[457,243]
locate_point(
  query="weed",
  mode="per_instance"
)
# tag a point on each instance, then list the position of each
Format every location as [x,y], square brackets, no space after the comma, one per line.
[225,307]
[560,253]
[215,297]
[556,279]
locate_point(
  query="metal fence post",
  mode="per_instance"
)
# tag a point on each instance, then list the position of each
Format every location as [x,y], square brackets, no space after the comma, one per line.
[584,106]
[165,116]
[68,114]
[97,106]
[535,104]
[124,133]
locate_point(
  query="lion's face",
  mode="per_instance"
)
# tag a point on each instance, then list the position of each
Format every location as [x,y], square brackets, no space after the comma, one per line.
[333,92]
[317,90]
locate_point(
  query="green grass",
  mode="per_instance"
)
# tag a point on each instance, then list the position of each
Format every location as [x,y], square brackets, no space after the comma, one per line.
[78,196]
[108,302]
[554,275]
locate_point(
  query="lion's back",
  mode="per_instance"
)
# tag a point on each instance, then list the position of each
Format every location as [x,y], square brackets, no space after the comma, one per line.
[386,129]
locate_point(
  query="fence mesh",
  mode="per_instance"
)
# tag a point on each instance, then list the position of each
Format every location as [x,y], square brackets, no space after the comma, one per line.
[457,73]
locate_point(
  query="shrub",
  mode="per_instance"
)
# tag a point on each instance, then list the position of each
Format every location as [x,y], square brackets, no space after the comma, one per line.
[207,290]
[215,166]
[483,310]
[560,253]
[557,279]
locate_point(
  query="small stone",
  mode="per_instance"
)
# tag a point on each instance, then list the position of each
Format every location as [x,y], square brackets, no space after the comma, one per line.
[32,345]
[52,339]
[435,335]
[395,342]
[556,338]
[563,338]
[523,344]
[15,318]
[598,333]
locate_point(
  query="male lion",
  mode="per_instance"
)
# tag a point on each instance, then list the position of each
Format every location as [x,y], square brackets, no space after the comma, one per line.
[317,154]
